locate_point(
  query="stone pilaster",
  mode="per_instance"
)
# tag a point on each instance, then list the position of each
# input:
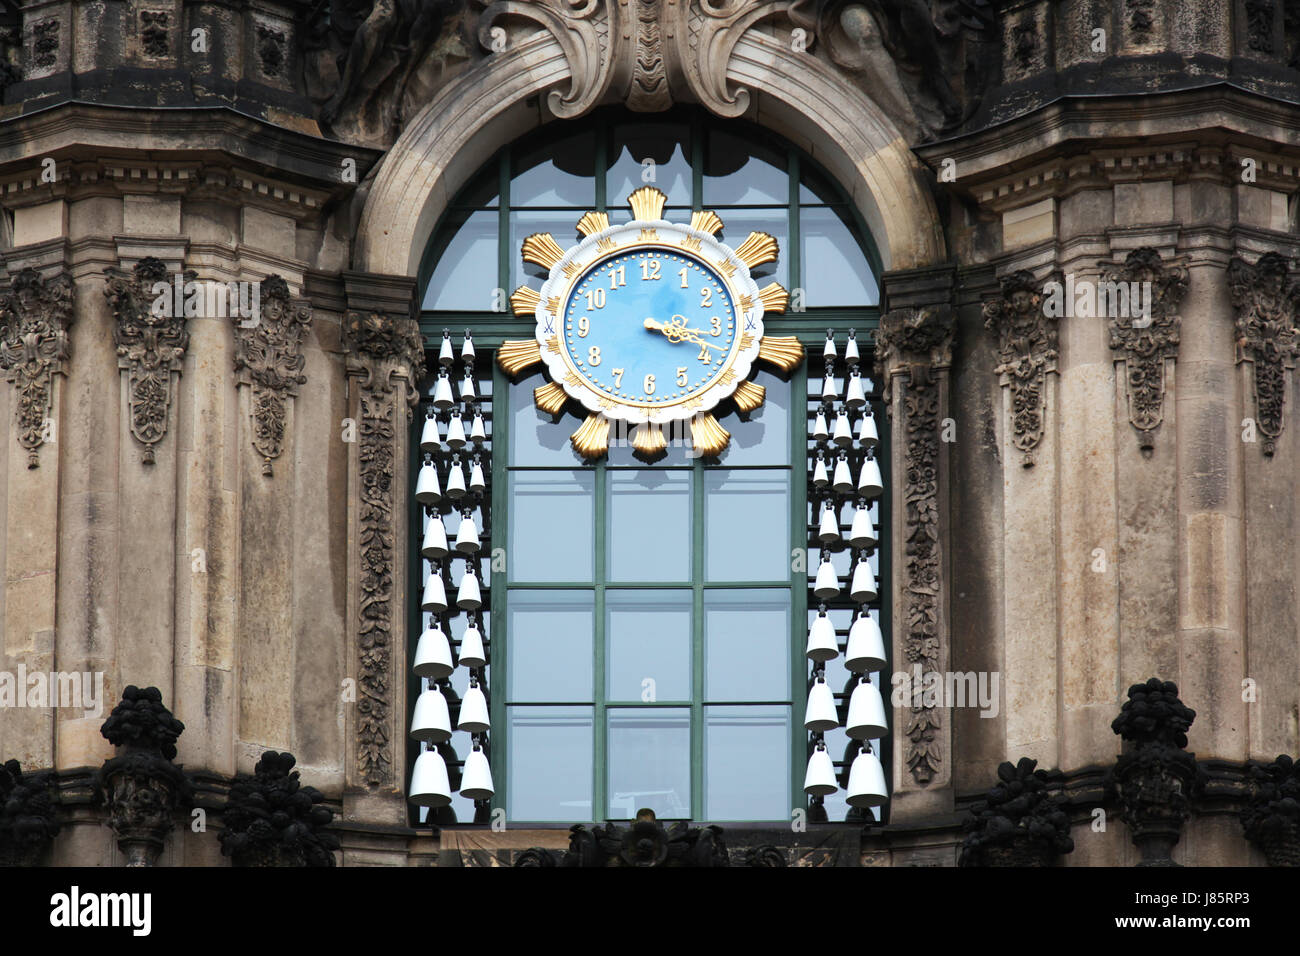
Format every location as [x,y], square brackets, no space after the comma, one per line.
[913,355]
[385,355]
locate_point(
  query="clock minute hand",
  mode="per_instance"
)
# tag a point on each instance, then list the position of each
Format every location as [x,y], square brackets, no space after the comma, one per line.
[677,332]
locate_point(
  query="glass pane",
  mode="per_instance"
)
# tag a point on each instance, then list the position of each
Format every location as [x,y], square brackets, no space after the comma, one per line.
[667,146]
[814,188]
[558,174]
[535,437]
[466,272]
[835,272]
[650,762]
[550,645]
[550,764]
[562,225]
[747,525]
[739,172]
[462,743]
[551,526]
[649,525]
[737,224]
[649,640]
[746,763]
[765,438]
[747,645]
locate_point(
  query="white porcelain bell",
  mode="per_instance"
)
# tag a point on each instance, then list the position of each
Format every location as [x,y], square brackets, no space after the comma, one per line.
[455,479]
[476,777]
[820,430]
[863,588]
[866,781]
[467,348]
[820,478]
[435,539]
[472,654]
[468,596]
[445,354]
[467,386]
[866,712]
[829,532]
[843,481]
[822,645]
[477,431]
[820,715]
[862,534]
[827,585]
[854,396]
[474,710]
[467,540]
[829,351]
[435,593]
[828,388]
[866,650]
[456,432]
[442,399]
[851,349]
[870,484]
[427,491]
[819,781]
[429,784]
[843,430]
[867,434]
[431,722]
[476,481]
[430,440]
[433,654]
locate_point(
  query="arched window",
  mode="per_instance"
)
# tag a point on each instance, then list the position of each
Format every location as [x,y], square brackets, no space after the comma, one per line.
[646,624]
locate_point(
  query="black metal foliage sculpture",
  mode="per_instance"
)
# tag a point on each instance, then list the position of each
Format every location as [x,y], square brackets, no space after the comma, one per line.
[1020,822]
[1155,778]
[141,786]
[273,820]
[1271,818]
[27,815]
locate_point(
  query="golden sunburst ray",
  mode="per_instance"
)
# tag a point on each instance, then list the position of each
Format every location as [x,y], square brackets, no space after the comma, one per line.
[549,398]
[648,441]
[525,300]
[708,438]
[783,351]
[757,249]
[647,203]
[749,396]
[591,440]
[515,356]
[774,298]
[542,249]
[706,220]
[593,222]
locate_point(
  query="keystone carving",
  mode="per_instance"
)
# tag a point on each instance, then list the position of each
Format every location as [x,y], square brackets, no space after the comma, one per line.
[35,315]
[918,343]
[1027,352]
[1144,341]
[269,359]
[388,354]
[1266,297]
[150,347]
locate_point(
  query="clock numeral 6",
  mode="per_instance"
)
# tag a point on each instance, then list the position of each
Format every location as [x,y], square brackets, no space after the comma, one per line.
[593,355]
[681,376]
[649,385]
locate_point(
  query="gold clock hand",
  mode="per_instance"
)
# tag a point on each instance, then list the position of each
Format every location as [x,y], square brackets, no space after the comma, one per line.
[678,332]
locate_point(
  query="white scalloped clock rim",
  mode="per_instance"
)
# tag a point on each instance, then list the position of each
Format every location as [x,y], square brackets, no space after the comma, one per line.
[627,238]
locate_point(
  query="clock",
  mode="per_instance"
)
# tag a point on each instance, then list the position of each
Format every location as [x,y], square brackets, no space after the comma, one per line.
[649,324]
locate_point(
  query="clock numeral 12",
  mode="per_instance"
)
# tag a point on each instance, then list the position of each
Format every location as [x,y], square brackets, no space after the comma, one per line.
[650,269]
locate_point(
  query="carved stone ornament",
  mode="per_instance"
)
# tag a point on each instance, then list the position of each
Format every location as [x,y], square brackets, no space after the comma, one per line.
[1020,822]
[268,357]
[28,815]
[386,351]
[151,345]
[35,315]
[1026,351]
[271,819]
[918,343]
[1271,816]
[1144,336]
[142,788]
[647,843]
[1266,297]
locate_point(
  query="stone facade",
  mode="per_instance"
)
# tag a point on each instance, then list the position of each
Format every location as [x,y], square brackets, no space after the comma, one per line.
[184,506]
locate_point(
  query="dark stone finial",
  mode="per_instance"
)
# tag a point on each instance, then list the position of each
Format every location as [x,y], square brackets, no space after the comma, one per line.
[28,822]
[271,819]
[1271,817]
[1020,822]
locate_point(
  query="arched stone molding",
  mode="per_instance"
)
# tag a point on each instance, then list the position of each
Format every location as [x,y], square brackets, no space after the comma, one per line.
[794,94]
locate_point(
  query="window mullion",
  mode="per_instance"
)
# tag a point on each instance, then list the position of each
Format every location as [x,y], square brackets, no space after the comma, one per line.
[798,579]
[497,637]
[697,641]
[600,766]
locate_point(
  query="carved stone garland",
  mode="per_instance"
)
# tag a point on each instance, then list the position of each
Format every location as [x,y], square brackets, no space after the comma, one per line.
[1027,352]
[268,357]
[150,346]
[918,343]
[382,349]
[1266,297]
[1143,342]
[35,314]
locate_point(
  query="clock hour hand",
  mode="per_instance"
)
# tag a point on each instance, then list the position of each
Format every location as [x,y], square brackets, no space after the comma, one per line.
[676,331]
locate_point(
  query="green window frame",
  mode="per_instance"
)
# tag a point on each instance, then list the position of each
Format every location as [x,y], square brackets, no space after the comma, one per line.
[490,328]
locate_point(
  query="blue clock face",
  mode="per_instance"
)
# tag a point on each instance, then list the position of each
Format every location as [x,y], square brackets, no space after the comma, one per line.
[649,327]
